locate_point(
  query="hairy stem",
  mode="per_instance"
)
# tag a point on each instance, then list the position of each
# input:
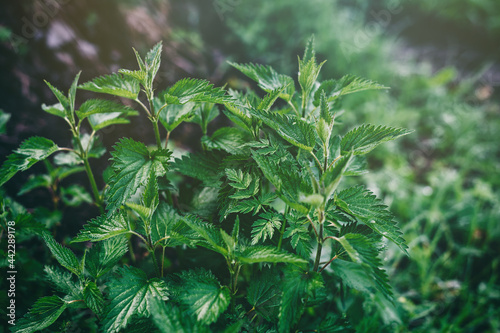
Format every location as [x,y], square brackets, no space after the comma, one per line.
[157,132]
[93,184]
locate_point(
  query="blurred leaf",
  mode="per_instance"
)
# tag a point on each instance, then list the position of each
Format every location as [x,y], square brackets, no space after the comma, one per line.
[32,150]
[44,312]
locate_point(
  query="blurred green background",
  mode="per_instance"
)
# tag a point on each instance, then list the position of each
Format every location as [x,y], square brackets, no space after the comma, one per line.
[441,60]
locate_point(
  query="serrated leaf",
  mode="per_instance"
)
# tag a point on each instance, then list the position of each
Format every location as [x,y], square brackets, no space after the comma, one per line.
[61,280]
[31,151]
[254,205]
[72,95]
[362,251]
[264,227]
[169,318]
[268,79]
[202,293]
[130,295]
[348,84]
[102,113]
[294,130]
[202,166]
[258,254]
[229,139]
[195,90]
[308,74]
[173,115]
[133,164]
[139,75]
[363,204]
[44,312]
[114,84]
[296,287]
[299,235]
[104,255]
[93,298]
[264,294]
[209,235]
[65,103]
[103,227]
[240,180]
[365,138]
[63,255]
[56,110]
[168,227]
[332,176]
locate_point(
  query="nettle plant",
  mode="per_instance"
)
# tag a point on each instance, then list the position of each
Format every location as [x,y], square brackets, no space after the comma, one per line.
[251,233]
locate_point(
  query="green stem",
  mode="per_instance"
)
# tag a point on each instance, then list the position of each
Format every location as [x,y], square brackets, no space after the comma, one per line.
[93,184]
[162,260]
[157,132]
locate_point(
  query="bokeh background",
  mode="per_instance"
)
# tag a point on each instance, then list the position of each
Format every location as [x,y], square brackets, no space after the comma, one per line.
[441,60]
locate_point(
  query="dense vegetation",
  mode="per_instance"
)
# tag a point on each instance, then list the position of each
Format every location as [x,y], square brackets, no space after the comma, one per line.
[441,182]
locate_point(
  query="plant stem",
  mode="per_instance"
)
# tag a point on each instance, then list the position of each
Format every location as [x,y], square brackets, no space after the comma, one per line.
[157,132]
[93,184]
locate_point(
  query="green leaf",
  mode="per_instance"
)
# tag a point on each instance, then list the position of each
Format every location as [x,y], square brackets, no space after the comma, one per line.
[114,84]
[34,182]
[240,180]
[56,110]
[61,280]
[103,227]
[365,138]
[169,318]
[229,139]
[168,227]
[4,119]
[294,130]
[331,178]
[308,74]
[348,84]
[102,113]
[31,151]
[75,195]
[104,255]
[265,226]
[44,312]
[173,115]
[268,79]
[210,235]
[297,287]
[152,63]
[65,103]
[264,294]
[258,254]
[130,295]
[254,204]
[363,204]
[195,90]
[133,164]
[202,293]
[72,95]
[299,235]
[93,298]
[63,255]
[202,166]
[362,251]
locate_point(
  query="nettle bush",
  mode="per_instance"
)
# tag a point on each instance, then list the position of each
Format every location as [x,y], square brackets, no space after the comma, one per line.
[250,234]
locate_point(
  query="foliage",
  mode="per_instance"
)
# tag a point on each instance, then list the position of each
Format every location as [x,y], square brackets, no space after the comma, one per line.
[279,220]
